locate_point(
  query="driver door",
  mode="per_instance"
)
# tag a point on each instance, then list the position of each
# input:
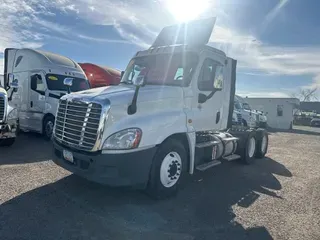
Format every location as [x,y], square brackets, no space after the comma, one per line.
[207,115]
[37,101]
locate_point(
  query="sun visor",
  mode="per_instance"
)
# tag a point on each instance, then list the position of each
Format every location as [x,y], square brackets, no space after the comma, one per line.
[196,32]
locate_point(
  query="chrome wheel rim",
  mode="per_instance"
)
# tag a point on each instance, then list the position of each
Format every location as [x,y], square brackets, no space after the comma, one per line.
[251,147]
[170,169]
[49,128]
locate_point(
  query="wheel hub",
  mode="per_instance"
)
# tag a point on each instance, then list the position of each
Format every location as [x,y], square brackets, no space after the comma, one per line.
[170,169]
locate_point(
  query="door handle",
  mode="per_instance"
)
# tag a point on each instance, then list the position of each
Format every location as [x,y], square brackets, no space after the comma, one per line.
[31,104]
[218,117]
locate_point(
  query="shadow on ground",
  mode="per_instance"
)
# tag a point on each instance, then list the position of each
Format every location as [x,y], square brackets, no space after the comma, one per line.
[29,147]
[73,208]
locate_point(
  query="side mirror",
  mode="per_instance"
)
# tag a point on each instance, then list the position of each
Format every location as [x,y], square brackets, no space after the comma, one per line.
[13,83]
[139,81]
[122,73]
[68,82]
[202,98]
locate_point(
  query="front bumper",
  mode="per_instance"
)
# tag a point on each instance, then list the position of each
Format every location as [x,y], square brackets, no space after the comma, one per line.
[9,130]
[125,169]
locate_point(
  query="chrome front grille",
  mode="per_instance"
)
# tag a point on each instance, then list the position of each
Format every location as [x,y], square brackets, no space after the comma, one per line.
[2,108]
[77,124]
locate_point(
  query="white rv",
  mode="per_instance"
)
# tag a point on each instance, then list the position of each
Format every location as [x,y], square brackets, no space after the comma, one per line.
[171,115]
[40,77]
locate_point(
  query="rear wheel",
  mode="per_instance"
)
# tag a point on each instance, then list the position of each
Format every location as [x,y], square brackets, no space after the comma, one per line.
[247,147]
[168,169]
[7,142]
[48,125]
[262,143]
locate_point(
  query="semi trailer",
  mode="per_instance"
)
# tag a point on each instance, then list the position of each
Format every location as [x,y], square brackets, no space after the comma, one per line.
[39,76]
[9,123]
[171,115]
[100,76]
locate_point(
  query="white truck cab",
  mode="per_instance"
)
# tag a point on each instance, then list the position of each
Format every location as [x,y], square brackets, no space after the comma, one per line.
[171,115]
[250,117]
[40,77]
[9,123]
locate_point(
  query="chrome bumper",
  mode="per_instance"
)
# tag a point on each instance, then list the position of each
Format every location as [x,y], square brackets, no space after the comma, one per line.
[8,130]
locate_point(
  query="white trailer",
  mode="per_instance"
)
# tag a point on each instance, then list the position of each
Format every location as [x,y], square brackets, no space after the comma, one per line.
[279,111]
[170,116]
[40,77]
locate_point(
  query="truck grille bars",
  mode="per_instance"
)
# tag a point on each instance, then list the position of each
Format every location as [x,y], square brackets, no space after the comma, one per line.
[77,124]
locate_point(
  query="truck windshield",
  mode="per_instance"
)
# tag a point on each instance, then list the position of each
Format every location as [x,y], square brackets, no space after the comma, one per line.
[55,82]
[162,69]
[246,106]
[237,105]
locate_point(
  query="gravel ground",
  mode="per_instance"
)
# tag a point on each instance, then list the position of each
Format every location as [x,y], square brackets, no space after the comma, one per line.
[275,198]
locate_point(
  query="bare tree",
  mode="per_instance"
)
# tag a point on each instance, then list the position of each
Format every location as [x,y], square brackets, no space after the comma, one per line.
[306,95]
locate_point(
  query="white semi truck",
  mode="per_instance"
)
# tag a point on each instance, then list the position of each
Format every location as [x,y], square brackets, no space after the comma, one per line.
[171,115]
[9,123]
[250,117]
[40,77]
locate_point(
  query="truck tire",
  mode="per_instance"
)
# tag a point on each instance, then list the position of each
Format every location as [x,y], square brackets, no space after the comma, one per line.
[244,122]
[7,142]
[247,147]
[168,169]
[262,143]
[48,125]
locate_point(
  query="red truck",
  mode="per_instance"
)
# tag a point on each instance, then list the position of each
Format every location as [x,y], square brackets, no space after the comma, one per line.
[100,76]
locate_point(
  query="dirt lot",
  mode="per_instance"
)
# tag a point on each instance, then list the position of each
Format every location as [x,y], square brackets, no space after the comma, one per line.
[275,198]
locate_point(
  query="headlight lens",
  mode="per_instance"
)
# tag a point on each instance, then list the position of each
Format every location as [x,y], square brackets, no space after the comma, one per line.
[13,114]
[125,139]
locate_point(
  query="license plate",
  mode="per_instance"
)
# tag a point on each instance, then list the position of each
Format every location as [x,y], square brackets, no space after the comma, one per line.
[68,156]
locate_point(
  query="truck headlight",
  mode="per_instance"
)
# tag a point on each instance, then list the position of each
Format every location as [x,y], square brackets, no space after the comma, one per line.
[13,114]
[125,139]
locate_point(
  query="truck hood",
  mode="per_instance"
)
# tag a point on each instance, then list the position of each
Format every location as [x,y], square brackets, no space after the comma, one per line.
[2,90]
[123,94]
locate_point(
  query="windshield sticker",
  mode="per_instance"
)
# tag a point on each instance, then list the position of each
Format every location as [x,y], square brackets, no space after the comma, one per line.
[53,78]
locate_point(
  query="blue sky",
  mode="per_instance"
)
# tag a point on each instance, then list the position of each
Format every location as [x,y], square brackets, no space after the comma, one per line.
[276,42]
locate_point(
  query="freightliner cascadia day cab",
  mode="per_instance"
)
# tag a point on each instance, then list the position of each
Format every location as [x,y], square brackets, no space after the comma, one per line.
[40,77]
[100,76]
[9,123]
[170,116]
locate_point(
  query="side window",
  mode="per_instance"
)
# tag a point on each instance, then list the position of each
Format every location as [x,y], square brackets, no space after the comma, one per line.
[37,83]
[211,76]
[279,110]
[179,74]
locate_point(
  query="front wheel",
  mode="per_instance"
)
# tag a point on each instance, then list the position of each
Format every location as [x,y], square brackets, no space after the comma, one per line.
[262,143]
[48,124]
[168,169]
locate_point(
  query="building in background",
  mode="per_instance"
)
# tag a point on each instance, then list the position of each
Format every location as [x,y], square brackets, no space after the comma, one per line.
[279,111]
[100,76]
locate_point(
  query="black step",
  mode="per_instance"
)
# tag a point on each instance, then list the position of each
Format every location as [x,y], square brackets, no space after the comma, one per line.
[208,165]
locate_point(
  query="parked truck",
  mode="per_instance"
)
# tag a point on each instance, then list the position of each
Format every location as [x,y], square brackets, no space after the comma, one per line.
[100,76]
[9,124]
[171,115]
[250,117]
[40,77]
